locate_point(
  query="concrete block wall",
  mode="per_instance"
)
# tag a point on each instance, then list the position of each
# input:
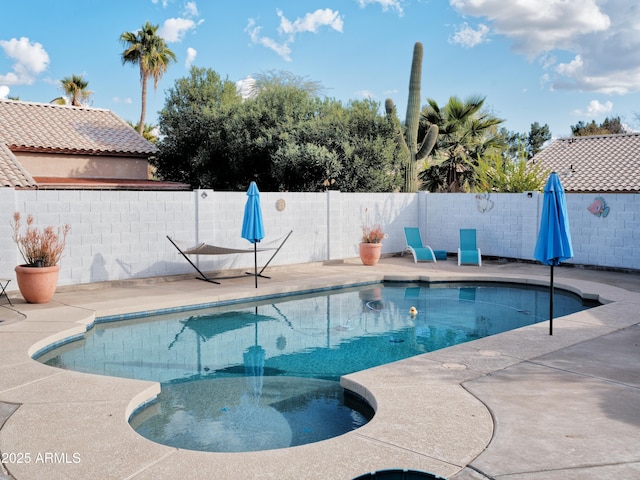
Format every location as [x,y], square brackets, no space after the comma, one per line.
[611,239]
[392,211]
[114,235]
[506,224]
[118,235]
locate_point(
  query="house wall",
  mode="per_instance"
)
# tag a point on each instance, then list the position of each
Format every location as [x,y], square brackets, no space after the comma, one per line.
[118,235]
[83,166]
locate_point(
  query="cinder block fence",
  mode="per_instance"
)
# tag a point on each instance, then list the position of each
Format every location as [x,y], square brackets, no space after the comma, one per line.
[117,235]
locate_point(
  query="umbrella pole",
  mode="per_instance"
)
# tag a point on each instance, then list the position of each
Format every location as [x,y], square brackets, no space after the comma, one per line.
[255,262]
[551,303]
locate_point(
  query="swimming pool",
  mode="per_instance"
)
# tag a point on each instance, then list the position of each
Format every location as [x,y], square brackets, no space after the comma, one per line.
[264,375]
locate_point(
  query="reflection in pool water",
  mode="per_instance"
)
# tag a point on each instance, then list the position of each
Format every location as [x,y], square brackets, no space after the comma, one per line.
[264,375]
[232,415]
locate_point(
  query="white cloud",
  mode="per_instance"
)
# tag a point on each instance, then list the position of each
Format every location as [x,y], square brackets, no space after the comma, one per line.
[547,60]
[365,94]
[174,29]
[126,100]
[385,4]
[601,37]
[537,26]
[191,56]
[191,9]
[466,36]
[163,2]
[288,29]
[254,32]
[572,68]
[311,22]
[597,108]
[4,91]
[545,80]
[594,109]
[246,86]
[31,60]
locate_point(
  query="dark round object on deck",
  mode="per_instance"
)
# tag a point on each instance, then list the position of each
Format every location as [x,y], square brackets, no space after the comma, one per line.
[399,474]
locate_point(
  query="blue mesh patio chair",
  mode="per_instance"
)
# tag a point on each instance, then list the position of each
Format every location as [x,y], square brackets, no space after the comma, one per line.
[469,253]
[421,253]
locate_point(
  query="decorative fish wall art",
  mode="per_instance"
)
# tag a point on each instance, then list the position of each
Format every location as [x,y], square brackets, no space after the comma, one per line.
[599,208]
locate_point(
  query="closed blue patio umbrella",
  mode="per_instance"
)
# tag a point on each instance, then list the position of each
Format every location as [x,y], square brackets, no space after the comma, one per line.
[554,238]
[252,226]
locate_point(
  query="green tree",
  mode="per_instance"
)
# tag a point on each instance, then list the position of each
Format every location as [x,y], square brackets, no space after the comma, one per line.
[75,91]
[495,173]
[537,137]
[531,142]
[284,137]
[149,51]
[607,127]
[465,134]
[370,151]
[283,78]
[148,132]
[513,141]
[352,149]
[198,113]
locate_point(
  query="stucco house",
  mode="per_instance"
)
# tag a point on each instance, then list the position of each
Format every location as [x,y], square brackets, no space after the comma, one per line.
[48,146]
[595,164]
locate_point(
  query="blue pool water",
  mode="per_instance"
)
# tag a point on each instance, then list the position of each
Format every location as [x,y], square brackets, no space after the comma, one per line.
[256,376]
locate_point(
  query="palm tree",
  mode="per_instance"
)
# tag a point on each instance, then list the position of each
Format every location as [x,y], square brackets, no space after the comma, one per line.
[149,132]
[465,134]
[75,89]
[150,52]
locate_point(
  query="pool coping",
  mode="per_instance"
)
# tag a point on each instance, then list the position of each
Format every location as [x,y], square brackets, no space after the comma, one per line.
[58,409]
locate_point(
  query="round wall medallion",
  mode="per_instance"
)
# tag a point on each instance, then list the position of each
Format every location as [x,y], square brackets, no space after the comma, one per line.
[281,204]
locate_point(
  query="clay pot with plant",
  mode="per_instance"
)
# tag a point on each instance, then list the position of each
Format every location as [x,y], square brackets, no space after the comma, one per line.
[41,250]
[371,244]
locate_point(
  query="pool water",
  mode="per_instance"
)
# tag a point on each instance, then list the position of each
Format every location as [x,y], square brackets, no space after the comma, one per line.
[264,375]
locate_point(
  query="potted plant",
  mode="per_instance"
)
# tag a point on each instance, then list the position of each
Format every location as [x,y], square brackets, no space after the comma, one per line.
[371,244]
[41,251]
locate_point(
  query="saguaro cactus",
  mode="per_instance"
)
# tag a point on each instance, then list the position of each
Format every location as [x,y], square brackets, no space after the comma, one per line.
[414,151]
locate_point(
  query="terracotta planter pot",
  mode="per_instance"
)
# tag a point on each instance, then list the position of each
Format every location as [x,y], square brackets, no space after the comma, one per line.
[370,253]
[37,284]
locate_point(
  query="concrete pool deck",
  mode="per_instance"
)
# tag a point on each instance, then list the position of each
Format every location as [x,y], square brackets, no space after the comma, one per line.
[520,405]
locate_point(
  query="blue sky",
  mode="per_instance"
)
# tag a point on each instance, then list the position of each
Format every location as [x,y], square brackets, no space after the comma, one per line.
[547,61]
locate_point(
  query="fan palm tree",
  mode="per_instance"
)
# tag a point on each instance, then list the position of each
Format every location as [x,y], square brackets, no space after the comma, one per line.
[465,134]
[149,51]
[75,90]
[149,132]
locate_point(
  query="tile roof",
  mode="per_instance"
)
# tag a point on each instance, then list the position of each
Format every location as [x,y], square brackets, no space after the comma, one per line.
[48,128]
[66,183]
[12,174]
[57,128]
[598,163]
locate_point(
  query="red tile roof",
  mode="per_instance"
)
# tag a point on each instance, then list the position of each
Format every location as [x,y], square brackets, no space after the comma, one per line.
[598,163]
